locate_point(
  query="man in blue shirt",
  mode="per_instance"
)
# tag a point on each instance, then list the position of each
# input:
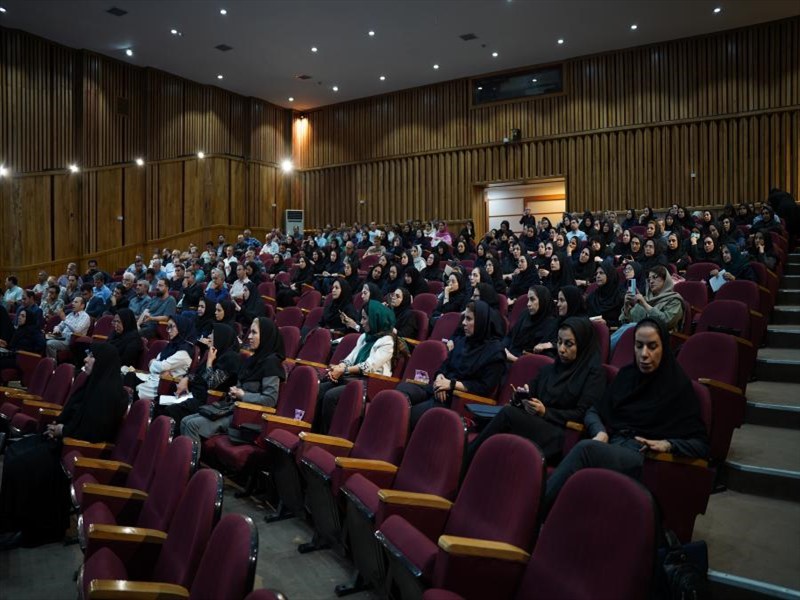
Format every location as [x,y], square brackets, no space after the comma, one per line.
[100,288]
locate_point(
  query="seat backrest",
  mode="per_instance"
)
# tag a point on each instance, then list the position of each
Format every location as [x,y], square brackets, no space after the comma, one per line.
[603,338]
[317,346]
[445,326]
[169,482]
[700,271]
[197,513]
[421,320]
[104,325]
[761,272]
[348,412]
[435,287]
[41,375]
[283,277]
[726,316]
[154,348]
[155,444]
[623,351]
[385,429]
[299,393]
[501,493]
[711,355]
[309,299]
[290,316]
[291,339]
[520,305]
[228,566]
[525,368]
[694,292]
[425,302]
[313,317]
[60,383]
[132,432]
[266,288]
[439,433]
[742,290]
[344,347]
[77,383]
[574,558]
[426,358]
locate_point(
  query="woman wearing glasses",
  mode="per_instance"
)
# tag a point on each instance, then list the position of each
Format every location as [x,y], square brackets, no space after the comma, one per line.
[175,359]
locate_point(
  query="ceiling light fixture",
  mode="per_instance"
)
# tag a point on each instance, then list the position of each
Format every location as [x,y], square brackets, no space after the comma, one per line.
[3,169]
[371,33]
[223,12]
[313,48]
[560,41]
[634,27]
[717,10]
[335,88]
[382,77]
[73,168]
[495,55]
[2,9]
[480,87]
[139,162]
[201,155]
[287,166]
[220,76]
[435,66]
[533,80]
[174,31]
[129,52]
[291,99]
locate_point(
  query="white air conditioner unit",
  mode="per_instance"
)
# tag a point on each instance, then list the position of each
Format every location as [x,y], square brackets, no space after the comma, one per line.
[294,218]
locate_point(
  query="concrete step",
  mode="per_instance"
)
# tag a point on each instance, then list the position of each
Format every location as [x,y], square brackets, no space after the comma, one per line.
[778,364]
[791,282]
[764,461]
[763,549]
[786,296]
[773,404]
[783,336]
[786,314]
[791,268]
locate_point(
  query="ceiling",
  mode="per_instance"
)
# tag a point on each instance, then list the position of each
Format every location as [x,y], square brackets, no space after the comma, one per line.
[272,39]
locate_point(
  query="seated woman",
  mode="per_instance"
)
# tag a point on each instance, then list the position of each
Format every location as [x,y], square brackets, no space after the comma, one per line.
[175,359]
[453,299]
[204,319]
[676,252]
[218,373]
[259,379]
[405,322]
[34,496]
[559,275]
[736,265]
[524,277]
[661,303]
[584,268]
[28,336]
[535,326]
[476,364]
[392,281]
[607,299]
[653,255]
[303,275]
[339,309]
[650,405]
[278,266]
[708,252]
[432,272]
[126,338]
[560,392]
[569,303]
[375,351]
[251,307]
[351,276]
[414,282]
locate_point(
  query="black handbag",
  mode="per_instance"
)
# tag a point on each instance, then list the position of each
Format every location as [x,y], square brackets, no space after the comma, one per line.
[216,410]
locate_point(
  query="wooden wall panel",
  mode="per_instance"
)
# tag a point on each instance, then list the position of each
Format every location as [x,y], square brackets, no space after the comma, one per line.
[135,201]
[108,202]
[218,191]
[169,204]
[238,193]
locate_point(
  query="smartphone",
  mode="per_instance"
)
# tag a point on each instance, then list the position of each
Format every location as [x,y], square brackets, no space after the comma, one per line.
[632,287]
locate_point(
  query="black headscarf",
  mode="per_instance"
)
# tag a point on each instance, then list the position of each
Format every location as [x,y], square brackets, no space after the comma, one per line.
[227,308]
[203,323]
[227,346]
[606,300]
[433,272]
[575,305]
[418,285]
[94,411]
[658,405]
[405,322]
[182,341]
[344,303]
[128,343]
[29,336]
[563,277]
[530,330]
[472,354]
[267,360]
[497,275]
[374,291]
[522,281]
[253,307]
[6,326]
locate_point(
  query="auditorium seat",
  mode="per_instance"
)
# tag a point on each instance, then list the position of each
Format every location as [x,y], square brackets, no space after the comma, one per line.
[603,337]
[435,287]
[11,398]
[309,299]
[150,352]
[732,317]
[291,339]
[520,305]
[493,519]
[420,367]
[438,434]
[445,326]
[317,347]
[696,294]
[747,292]
[313,317]
[700,271]
[421,320]
[23,371]
[623,351]
[35,413]
[382,437]
[427,303]
[291,316]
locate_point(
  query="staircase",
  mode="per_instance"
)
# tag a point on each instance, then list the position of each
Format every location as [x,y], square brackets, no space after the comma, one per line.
[753,526]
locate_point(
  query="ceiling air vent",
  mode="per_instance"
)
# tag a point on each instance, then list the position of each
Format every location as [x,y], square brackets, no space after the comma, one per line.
[302,77]
[468,36]
[117,12]
[223,47]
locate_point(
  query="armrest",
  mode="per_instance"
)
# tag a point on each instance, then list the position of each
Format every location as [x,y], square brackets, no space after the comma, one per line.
[46,412]
[113,491]
[365,464]
[575,426]
[170,378]
[713,383]
[755,313]
[760,287]
[39,404]
[82,462]
[695,309]
[668,457]
[97,336]
[414,381]
[414,499]
[310,363]
[31,354]
[118,533]
[255,407]
[475,398]
[76,443]
[278,420]
[20,394]
[215,393]
[461,546]
[328,440]
[268,298]
[380,377]
[119,589]
[412,341]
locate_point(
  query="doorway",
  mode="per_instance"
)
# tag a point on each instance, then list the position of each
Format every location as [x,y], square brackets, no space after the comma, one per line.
[508,201]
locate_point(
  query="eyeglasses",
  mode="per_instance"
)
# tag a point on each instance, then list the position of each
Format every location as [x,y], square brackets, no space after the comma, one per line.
[171,326]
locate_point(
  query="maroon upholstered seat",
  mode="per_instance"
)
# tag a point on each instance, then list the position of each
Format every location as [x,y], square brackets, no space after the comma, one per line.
[313,317]
[291,339]
[290,316]
[309,299]
[445,326]
[29,419]
[425,302]
[732,317]
[11,399]
[623,351]
[700,271]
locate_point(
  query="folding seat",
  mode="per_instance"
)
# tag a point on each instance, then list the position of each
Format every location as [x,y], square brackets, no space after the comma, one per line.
[309,299]
[427,303]
[502,305]
[290,316]
[313,317]
[138,475]
[153,509]
[51,323]
[682,485]
[421,320]
[136,554]
[439,434]
[488,529]
[291,338]
[712,359]
[420,368]
[316,348]
[103,328]
[30,418]
[700,271]
[696,294]
[747,292]
[11,398]
[603,338]
[382,437]
[23,371]
[582,554]
[124,449]
[285,449]
[266,290]
[732,317]
[153,349]
[639,230]
[358,303]
[467,264]
[226,570]
[283,277]
[445,326]
[520,305]
[623,351]
[435,287]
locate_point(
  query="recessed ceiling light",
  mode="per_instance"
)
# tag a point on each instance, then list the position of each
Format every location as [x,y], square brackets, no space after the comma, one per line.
[480,87]
[173,31]
[717,10]
[335,88]
[219,76]
[140,162]
[222,11]
[634,27]
[560,41]
[435,66]
[371,33]
[313,48]
[382,77]
[495,54]
[287,166]
[2,9]
[129,52]
[74,168]
[533,80]
[3,169]
[291,99]
[201,154]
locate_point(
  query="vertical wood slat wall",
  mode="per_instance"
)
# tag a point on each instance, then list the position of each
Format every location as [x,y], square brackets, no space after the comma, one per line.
[60,106]
[630,130]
